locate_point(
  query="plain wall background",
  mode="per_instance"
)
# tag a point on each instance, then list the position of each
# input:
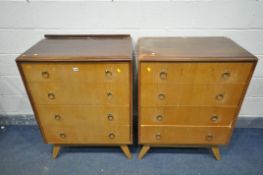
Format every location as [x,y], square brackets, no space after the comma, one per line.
[23,23]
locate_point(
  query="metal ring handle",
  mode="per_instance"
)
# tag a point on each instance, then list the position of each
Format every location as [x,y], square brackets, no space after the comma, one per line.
[158,136]
[161,96]
[220,97]
[51,95]
[214,118]
[163,75]
[108,73]
[111,135]
[62,135]
[110,117]
[159,118]
[226,75]
[209,137]
[57,117]
[45,74]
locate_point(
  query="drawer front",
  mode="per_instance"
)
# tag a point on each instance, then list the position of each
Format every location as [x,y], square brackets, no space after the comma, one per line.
[195,72]
[81,93]
[73,115]
[74,72]
[83,134]
[195,94]
[188,115]
[184,135]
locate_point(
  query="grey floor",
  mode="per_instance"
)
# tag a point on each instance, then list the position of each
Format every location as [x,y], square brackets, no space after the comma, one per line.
[23,152]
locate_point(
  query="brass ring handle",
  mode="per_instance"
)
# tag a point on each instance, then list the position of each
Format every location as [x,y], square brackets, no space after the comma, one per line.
[209,137]
[163,75]
[220,97]
[111,135]
[158,136]
[108,73]
[214,118]
[57,117]
[45,74]
[110,117]
[161,96]
[62,135]
[51,96]
[159,117]
[109,94]
[226,75]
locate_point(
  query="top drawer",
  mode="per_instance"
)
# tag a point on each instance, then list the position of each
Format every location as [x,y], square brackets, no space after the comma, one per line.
[72,72]
[195,72]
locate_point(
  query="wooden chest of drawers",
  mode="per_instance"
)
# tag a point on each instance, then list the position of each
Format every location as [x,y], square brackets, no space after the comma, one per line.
[190,90]
[80,88]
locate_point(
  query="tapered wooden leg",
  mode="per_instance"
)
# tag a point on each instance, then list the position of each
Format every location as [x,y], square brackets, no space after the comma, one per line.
[125,149]
[216,152]
[143,151]
[56,149]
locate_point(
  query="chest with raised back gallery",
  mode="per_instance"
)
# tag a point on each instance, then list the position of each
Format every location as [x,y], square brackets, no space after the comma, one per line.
[80,88]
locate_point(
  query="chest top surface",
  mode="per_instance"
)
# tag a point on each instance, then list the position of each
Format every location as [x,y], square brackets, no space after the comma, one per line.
[191,49]
[80,48]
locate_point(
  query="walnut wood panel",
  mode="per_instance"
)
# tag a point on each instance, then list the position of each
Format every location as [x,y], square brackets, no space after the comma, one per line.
[185,115]
[80,48]
[80,93]
[75,115]
[187,94]
[92,134]
[182,72]
[183,135]
[191,49]
[77,72]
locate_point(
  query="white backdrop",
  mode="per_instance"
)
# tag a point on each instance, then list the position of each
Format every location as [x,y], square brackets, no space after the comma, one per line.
[23,23]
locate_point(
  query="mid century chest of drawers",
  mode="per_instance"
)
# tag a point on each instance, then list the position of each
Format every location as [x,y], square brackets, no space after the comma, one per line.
[190,90]
[80,88]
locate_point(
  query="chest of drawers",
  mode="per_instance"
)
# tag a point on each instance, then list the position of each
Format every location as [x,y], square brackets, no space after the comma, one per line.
[80,89]
[190,90]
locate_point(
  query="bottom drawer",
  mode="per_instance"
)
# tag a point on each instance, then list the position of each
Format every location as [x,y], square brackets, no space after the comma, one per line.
[184,135]
[86,135]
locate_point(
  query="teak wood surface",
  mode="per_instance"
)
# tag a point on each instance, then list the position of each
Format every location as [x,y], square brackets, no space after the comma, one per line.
[80,89]
[190,90]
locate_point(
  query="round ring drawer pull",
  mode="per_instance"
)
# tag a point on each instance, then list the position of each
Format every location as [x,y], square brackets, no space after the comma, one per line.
[57,117]
[209,137]
[158,136]
[45,74]
[214,118]
[159,118]
[62,135]
[112,136]
[108,73]
[226,75]
[109,94]
[163,75]
[51,96]
[161,96]
[220,97]
[110,117]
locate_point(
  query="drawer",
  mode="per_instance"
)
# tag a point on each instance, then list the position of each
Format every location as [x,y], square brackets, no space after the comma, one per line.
[184,135]
[195,72]
[188,115]
[80,93]
[82,134]
[72,72]
[74,115]
[195,94]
